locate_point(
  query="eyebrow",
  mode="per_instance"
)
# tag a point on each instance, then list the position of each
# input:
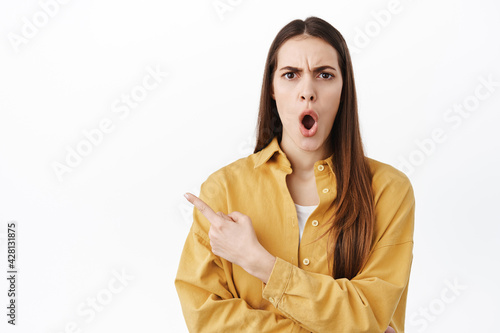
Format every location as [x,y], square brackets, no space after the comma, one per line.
[317,69]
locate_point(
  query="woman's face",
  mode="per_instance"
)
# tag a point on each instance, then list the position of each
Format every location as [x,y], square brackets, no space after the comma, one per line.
[307,85]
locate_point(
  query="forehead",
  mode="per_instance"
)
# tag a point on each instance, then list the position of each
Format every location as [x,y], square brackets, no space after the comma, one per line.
[304,51]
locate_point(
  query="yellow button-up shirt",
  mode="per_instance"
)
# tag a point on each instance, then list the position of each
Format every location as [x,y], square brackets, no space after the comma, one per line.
[301,295]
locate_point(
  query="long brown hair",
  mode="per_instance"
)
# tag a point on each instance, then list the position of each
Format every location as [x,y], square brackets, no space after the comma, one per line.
[351,228]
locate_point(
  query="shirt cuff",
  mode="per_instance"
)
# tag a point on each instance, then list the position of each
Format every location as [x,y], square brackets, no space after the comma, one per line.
[278,281]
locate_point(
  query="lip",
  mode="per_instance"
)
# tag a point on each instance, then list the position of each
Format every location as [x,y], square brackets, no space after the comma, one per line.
[308,132]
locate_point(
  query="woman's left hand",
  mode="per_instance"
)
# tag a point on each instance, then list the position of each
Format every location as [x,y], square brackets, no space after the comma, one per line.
[233,238]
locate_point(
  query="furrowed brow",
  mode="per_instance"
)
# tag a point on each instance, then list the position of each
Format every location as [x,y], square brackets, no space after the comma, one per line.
[317,69]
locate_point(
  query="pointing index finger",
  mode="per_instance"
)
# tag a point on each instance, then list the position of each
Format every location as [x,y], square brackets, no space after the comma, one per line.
[202,207]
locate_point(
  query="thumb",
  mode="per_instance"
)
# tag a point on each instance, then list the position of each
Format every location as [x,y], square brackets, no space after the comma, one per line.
[236,216]
[225,217]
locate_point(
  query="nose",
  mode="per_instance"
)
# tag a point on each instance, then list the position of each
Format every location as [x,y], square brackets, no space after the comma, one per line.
[307,92]
[307,96]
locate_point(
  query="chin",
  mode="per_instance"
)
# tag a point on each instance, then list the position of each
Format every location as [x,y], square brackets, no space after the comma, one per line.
[310,143]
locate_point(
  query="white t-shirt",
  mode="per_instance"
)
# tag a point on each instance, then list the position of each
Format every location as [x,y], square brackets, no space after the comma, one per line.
[303,213]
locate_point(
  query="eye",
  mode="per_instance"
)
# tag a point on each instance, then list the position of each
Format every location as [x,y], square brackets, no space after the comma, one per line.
[286,75]
[322,75]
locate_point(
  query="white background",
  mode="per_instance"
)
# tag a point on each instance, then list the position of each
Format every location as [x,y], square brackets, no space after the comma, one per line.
[121,211]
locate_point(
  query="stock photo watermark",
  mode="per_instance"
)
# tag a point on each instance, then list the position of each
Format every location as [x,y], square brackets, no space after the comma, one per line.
[425,315]
[31,27]
[186,208]
[380,19]
[244,149]
[247,147]
[12,272]
[222,7]
[455,116]
[88,310]
[94,137]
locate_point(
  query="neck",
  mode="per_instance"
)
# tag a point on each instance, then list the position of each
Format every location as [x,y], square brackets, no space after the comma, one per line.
[302,161]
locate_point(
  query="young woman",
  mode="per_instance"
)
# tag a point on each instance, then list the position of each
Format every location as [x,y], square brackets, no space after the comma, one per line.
[310,235]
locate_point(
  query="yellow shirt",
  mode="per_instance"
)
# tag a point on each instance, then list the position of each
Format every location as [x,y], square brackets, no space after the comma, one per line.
[301,295]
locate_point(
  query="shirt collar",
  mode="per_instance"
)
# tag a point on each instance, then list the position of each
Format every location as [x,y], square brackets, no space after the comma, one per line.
[267,152]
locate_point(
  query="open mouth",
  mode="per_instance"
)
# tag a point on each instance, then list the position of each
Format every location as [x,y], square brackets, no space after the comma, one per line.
[308,121]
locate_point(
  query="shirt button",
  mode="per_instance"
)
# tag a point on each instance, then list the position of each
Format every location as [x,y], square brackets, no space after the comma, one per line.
[306,261]
[321,167]
[271,299]
[315,223]
[325,190]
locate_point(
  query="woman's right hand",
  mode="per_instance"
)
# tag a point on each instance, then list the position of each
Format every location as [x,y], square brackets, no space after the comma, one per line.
[390,330]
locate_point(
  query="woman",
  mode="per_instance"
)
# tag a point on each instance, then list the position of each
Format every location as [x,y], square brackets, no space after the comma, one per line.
[317,236]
